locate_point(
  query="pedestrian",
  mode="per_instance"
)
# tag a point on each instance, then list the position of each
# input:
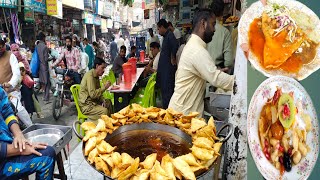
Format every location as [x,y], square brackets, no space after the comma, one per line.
[72,56]
[153,38]
[9,78]
[30,101]
[220,48]
[196,67]
[167,63]
[89,50]
[44,75]
[175,31]
[120,42]
[113,50]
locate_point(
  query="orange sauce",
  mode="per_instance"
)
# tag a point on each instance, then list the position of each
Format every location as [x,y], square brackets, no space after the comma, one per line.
[293,64]
[256,39]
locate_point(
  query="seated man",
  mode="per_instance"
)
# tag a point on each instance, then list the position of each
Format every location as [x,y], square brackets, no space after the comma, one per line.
[119,61]
[90,95]
[153,64]
[132,52]
[18,157]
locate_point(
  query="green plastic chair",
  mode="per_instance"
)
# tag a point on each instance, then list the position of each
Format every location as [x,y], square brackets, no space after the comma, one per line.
[147,98]
[81,117]
[110,77]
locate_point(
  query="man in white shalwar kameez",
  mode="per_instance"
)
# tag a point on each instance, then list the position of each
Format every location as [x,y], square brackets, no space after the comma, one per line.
[196,67]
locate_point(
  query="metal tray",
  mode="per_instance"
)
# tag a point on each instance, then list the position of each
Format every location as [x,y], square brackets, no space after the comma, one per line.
[61,135]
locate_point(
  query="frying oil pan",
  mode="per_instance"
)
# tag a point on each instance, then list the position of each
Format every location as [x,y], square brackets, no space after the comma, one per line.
[140,140]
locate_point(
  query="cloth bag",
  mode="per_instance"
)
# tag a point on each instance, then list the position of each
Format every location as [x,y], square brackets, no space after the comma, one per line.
[35,63]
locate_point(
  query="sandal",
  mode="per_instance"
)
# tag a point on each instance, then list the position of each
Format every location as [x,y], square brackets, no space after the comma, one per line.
[40,115]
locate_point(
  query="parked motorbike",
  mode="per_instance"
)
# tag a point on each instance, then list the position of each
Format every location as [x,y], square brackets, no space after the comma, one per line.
[62,91]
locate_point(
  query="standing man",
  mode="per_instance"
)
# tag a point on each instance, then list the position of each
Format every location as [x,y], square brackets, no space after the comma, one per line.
[196,67]
[89,50]
[113,50]
[153,38]
[72,56]
[167,63]
[220,48]
[175,31]
[9,79]
[44,75]
[120,42]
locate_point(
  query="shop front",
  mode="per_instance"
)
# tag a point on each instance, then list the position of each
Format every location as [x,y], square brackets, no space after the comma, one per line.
[72,20]
[6,8]
[92,23]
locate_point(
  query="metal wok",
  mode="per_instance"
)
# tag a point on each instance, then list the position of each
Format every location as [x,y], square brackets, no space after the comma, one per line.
[123,133]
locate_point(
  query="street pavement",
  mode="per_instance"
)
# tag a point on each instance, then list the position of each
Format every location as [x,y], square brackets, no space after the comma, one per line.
[68,116]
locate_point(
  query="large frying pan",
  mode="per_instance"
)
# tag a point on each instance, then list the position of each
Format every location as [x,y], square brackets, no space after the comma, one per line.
[174,135]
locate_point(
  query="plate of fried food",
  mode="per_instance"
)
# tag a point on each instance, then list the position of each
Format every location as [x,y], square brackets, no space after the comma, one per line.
[281,38]
[152,143]
[283,132]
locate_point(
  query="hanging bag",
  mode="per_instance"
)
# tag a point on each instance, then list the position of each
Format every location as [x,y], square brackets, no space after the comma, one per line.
[35,63]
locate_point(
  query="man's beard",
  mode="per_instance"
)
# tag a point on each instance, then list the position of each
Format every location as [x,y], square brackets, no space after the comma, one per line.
[208,35]
[69,47]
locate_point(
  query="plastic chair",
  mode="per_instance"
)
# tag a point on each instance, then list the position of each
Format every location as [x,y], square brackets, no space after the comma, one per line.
[81,117]
[107,94]
[147,98]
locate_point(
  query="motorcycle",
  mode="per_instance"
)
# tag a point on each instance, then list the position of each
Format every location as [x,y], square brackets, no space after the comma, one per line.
[62,91]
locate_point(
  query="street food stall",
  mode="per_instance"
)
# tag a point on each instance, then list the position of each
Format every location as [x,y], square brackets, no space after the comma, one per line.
[153,143]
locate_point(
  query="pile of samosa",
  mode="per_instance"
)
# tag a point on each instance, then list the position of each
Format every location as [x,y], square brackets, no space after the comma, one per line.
[204,152]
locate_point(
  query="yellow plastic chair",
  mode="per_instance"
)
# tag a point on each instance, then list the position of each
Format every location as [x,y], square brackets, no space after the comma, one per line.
[81,117]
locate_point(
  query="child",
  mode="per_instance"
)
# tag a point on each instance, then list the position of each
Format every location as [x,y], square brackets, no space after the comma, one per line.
[30,101]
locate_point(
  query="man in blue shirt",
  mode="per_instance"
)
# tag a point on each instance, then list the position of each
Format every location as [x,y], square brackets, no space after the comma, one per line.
[18,157]
[89,50]
[113,50]
[167,66]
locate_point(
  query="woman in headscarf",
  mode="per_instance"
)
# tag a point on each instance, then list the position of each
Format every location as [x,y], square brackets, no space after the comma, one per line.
[15,49]
[31,102]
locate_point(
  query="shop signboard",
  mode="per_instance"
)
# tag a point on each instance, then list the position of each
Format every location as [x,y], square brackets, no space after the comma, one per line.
[88,17]
[54,8]
[88,4]
[104,28]
[100,7]
[28,15]
[150,4]
[174,2]
[96,20]
[116,25]
[109,23]
[8,3]
[79,4]
[108,9]
[36,5]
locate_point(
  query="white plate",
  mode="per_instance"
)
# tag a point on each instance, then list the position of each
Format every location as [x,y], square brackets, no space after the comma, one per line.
[262,94]
[255,11]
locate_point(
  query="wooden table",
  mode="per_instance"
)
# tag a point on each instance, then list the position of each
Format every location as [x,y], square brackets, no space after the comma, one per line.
[125,93]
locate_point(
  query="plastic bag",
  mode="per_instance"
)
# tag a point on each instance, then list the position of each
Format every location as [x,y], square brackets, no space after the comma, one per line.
[35,63]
